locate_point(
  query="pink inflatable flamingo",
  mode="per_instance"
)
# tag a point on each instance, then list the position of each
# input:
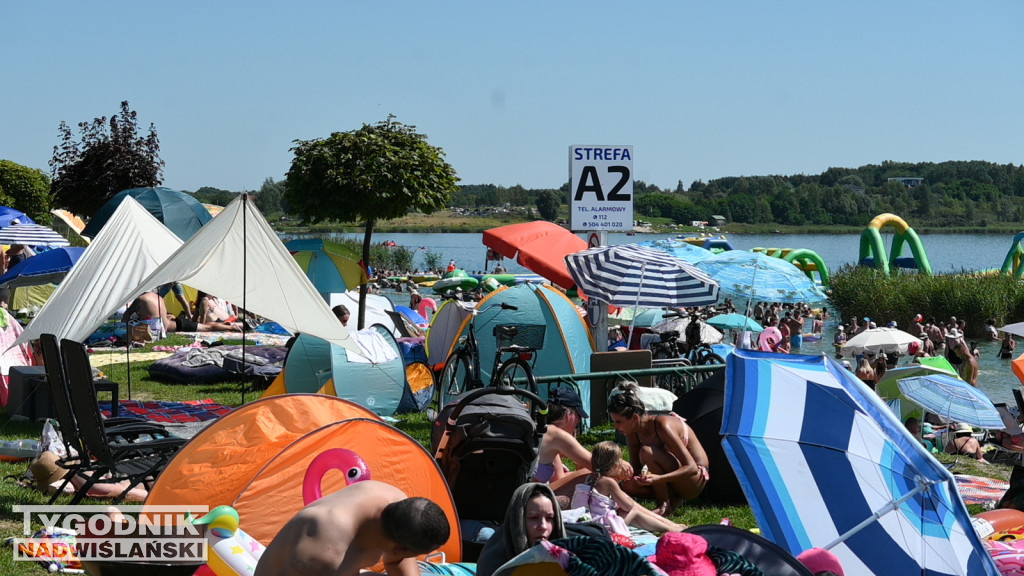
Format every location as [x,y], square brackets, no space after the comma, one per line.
[347,461]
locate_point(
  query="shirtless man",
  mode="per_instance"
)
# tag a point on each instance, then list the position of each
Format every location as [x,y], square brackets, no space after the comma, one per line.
[936,334]
[354,529]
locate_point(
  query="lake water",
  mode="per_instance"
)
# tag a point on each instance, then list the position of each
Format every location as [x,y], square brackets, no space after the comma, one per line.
[946,253]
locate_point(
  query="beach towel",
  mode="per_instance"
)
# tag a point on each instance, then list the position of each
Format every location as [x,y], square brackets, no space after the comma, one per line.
[979,490]
[169,412]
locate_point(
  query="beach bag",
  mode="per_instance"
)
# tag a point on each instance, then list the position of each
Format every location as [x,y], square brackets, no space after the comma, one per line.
[140,333]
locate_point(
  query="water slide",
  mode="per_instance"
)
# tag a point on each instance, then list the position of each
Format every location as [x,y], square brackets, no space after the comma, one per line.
[1014,262]
[872,247]
[806,260]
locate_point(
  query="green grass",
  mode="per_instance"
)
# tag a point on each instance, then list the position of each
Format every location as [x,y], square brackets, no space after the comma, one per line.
[418,426]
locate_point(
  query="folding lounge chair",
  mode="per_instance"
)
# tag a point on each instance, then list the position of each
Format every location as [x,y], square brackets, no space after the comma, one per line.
[121,430]
[137,462]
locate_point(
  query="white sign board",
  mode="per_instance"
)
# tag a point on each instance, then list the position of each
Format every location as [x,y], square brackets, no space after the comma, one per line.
[601,188]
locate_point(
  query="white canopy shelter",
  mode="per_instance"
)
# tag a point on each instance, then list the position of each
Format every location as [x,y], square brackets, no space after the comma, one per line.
[238,257]
[128,249]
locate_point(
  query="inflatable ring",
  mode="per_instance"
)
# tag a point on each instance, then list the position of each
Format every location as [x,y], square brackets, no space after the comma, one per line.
[347,461]
[1001,524]
[424,304]
[230,551]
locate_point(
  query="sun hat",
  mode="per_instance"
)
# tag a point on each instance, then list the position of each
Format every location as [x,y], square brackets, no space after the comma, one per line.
[954,333]
[821,560]
[892,324]
[847,365]
[683,554]
[568,397]
[46,470]
[964,428]
[866,319]
[922,336]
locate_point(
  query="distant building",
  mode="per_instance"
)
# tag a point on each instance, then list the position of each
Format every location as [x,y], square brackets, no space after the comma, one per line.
[908,182]
[718,220]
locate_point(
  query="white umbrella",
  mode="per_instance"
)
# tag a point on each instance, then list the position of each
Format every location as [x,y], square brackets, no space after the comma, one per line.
[1017,329]
[888,340]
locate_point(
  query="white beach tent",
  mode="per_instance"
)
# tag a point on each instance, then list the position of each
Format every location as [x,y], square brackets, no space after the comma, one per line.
[129,248]
[238,257]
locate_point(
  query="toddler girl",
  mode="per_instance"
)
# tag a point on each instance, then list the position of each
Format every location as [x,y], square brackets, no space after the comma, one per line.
[608,504]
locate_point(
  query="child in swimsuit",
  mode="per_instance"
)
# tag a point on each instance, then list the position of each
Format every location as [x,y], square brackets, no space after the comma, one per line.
[663,443]
[608,504]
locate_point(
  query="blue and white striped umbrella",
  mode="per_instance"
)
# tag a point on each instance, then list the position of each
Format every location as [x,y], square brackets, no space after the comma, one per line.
[952,399]
[825,463]
[755,276]
[32,235]
[631,275]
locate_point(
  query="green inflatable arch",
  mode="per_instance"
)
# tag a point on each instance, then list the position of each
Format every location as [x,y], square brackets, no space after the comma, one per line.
[872,247]
[1014,262]
[806,260]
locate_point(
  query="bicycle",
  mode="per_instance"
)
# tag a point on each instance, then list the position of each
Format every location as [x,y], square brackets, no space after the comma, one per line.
[462,370]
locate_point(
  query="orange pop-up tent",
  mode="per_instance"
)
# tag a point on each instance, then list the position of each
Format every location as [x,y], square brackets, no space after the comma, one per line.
[255,457]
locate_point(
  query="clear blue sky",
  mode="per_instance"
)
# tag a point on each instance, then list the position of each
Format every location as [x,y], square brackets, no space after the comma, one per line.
[701,90]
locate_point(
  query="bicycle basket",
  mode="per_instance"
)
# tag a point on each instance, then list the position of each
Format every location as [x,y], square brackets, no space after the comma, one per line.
[522,335]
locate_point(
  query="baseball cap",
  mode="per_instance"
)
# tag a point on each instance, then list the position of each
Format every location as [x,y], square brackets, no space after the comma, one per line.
[569,398]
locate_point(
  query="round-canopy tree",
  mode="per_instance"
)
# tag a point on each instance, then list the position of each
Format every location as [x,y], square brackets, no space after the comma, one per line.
[379,172]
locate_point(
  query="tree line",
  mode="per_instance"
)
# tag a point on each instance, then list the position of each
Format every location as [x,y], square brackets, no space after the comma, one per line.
[110,155]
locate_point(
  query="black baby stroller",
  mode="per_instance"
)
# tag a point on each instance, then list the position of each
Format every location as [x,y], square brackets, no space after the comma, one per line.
[486,443]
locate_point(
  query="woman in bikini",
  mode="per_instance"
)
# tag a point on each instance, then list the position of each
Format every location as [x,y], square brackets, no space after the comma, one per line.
[672,463]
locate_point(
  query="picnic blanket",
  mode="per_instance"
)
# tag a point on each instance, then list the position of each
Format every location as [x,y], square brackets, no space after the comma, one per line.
[251,337]
[169,412]
[980,490]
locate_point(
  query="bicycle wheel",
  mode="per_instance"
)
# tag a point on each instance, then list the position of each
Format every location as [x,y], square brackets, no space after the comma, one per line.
[454,379]
[711,358]
[663,353]
[515,368]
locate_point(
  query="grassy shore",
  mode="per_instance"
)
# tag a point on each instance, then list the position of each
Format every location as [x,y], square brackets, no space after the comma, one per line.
[229,393]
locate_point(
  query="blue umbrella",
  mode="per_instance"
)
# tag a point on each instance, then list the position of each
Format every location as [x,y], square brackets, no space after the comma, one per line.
[679,249]
[824,463]
[9,215]
[43,268]
[755,276]
[951,398]
[735,321]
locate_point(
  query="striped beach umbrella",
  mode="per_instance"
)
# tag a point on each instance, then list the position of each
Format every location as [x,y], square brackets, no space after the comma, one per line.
[825,463]
[631,275]
[32,235]
[952,399]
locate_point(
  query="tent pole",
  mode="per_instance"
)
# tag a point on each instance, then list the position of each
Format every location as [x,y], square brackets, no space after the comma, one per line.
[245,309]
[925,485]
[632,321]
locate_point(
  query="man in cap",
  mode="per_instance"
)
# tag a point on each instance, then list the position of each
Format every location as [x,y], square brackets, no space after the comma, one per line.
[917,326]
[565,413]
